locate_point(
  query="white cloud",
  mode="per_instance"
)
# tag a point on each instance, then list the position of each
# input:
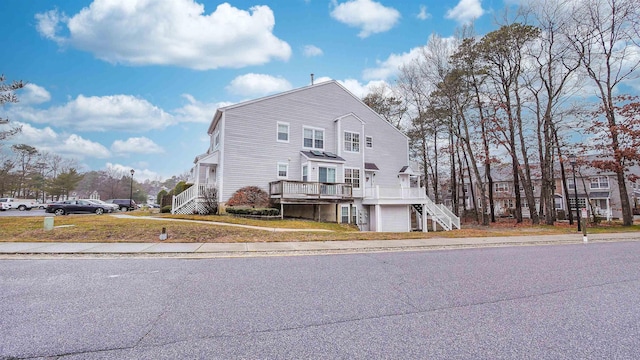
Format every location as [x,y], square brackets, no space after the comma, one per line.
[466,11]
[33,94]
[196,111]
[139,175]
[76,145]
[370,16]
[169,32]
[391,66]
[423,14]
[136,145]
[354,86]
[311,50]
[257,85]
[100,113]
[70,145]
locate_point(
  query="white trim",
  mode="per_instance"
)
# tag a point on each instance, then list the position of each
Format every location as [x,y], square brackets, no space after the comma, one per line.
[344,176]
[278,131]
[286,167]
[366,141]
[335,174]
[351,142]
[313,139]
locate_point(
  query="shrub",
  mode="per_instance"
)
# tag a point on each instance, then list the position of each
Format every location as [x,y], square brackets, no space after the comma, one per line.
[165,209]
[250,196]
[253,211]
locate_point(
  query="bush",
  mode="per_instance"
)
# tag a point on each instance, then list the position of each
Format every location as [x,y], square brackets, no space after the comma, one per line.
[253,211]
[165,209]
[250,196]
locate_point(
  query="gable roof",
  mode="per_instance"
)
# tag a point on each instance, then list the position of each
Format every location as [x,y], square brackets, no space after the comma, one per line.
[218,115]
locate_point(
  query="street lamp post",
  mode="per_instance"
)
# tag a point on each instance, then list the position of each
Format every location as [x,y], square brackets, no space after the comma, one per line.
[572,161]
[131,191]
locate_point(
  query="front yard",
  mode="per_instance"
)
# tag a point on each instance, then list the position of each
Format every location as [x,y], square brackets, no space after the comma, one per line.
[105,228]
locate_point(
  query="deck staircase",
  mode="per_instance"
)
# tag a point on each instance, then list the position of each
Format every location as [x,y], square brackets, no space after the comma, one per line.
[439,215]
[190,201]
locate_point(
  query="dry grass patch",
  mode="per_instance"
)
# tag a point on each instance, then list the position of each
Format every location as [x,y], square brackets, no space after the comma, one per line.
[92,228]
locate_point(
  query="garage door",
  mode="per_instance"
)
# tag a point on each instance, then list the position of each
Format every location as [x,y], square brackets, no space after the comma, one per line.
[395,218]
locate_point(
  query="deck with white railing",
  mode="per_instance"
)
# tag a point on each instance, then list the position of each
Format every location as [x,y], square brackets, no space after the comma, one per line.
[301,191]
[190,200]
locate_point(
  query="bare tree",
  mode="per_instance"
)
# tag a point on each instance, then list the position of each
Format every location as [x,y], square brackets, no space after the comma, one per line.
[607,43]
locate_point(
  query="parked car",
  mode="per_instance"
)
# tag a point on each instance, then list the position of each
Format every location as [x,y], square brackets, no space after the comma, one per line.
[76,206]
[19,204]
[114,207]
[124,204]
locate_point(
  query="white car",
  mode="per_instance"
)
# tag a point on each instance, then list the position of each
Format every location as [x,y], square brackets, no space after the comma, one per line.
[113,207]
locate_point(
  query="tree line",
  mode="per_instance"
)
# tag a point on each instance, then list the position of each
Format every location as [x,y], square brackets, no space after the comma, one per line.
[551,75]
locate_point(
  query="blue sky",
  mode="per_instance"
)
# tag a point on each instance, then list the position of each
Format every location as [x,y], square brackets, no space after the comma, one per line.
[133,84]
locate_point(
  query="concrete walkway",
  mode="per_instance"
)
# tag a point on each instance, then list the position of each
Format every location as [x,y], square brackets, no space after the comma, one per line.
[295,248]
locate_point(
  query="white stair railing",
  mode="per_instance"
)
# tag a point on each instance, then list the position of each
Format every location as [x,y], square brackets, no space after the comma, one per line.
[455,220]
[438,215]
[185,198]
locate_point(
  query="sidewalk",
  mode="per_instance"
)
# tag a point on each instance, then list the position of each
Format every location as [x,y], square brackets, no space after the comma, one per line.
[292,248]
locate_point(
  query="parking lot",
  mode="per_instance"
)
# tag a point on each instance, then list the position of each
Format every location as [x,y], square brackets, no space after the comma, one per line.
[32,212]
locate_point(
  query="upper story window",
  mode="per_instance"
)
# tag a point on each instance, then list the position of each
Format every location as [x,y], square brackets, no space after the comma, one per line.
[501,187]
[599,182]
[351,141]
[216,140]
[352,176]
[313,138]
[283,132]
[369,142]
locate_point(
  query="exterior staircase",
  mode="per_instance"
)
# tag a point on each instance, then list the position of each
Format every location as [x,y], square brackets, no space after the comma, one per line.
[190,201]
[439,214]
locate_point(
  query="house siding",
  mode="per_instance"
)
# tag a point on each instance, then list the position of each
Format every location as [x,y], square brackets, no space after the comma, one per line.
[251,151]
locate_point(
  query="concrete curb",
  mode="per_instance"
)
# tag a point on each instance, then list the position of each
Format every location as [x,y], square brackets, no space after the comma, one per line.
[289,248]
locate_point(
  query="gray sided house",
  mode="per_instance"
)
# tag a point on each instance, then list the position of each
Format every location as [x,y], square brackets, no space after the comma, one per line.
[320,153]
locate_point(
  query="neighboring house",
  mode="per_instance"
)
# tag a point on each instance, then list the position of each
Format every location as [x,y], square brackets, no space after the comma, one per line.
[320,153]
[597,191]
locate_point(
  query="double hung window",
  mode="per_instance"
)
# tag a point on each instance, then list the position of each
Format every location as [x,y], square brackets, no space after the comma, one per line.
[313,138]
[351,141]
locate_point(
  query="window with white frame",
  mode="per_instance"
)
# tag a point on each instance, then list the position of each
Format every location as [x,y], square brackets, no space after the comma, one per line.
[326,174]
[599,182]
[352,176]
[216,140]
[369,142]
[582,203]
[344,215]
[305,173]
[351,141]
[569,181]
[313,138]
[283,132]
[501,187]
[283,170]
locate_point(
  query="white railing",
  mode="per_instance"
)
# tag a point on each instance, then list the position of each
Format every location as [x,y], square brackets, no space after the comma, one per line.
[394,193]
[188,198]
[311,190]
[454,219]
[438,215]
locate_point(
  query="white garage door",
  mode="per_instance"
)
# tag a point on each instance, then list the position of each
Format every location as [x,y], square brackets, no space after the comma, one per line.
[395,218]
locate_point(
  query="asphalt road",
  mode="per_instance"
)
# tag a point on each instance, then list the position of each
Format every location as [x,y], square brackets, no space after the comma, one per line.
[546,302]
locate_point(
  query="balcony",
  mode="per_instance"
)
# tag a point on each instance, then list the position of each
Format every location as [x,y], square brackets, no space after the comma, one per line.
[394,195]
[303,191]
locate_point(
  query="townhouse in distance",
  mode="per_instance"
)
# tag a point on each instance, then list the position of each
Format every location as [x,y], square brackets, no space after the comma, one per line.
[320,153]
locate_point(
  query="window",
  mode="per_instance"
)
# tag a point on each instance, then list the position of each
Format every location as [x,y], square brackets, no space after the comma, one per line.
[569,181]
[599,182]
[216,140]
[283,132]
[283,170]
[344,215]
[369,142]
[501,187]
[581,203]
[326,174]
[351,141]
[313,138]
[305,173]
[352,176]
